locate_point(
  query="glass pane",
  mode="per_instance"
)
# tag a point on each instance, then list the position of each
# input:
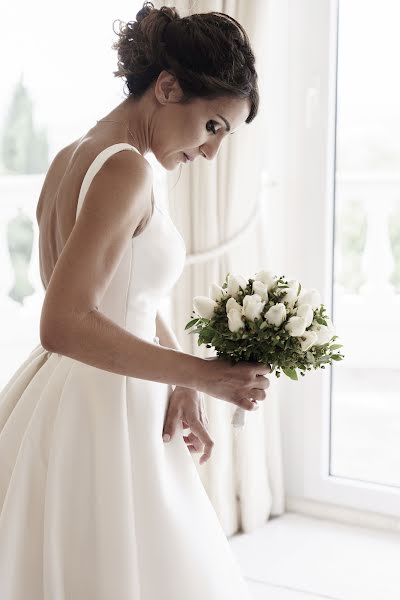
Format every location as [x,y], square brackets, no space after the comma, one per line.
[58,80]
[365,408]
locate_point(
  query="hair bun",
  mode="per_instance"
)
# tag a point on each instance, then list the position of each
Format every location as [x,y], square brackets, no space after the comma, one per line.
[166,11]
[222,67]
[144,11]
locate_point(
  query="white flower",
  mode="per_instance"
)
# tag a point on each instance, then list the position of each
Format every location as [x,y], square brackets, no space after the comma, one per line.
[252,306]
[291,293]
[305,311]
[261,289]
[204,306]
[296,326]
[234,283]
[276,314]
[235,320]
[294,285]
[309,297]
[307,340]
[233,305]
[324,332]
[216,292]
[266,277]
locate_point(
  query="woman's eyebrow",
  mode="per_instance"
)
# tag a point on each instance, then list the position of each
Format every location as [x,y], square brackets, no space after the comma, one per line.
[227,125]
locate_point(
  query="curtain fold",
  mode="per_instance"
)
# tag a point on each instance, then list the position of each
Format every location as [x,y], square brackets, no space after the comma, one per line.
[209,203]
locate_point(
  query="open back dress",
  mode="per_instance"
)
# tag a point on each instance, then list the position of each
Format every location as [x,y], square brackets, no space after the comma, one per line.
[93,504]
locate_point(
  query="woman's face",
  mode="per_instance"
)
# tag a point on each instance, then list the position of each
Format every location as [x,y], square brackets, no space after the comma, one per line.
[196,128]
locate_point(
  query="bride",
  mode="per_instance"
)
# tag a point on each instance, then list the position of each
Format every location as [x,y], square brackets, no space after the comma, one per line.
[94,504]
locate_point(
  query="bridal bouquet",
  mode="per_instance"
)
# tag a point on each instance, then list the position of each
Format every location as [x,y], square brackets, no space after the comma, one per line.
[266,319]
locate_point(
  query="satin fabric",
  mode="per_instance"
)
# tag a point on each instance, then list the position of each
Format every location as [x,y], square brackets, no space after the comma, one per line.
[93,504]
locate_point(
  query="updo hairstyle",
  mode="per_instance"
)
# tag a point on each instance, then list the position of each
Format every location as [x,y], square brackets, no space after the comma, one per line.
[209,54]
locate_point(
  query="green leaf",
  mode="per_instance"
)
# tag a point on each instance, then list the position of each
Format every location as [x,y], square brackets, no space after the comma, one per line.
[290,372]
[336,346]
[191,323]
[310,357]
[320,320]
[337,357]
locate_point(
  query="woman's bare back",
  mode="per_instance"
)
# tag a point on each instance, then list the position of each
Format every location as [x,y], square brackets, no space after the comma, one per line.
[56,208]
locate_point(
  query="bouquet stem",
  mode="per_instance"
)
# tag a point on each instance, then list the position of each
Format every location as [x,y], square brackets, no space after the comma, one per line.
[239,418]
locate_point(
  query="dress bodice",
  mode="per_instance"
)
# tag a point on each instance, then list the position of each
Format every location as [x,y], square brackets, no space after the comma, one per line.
[148,270]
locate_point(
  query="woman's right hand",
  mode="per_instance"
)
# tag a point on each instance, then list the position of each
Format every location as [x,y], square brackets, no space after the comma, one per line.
[234,382]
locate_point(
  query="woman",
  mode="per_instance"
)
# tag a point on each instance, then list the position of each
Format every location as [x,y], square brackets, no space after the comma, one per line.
[93,504]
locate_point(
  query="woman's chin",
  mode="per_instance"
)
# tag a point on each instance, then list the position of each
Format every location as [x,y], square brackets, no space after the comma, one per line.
[171,162]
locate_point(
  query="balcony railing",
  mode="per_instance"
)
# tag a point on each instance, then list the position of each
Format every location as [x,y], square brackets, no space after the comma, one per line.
[367,318]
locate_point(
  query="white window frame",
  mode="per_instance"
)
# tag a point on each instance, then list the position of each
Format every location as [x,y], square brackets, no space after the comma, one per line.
[302,72]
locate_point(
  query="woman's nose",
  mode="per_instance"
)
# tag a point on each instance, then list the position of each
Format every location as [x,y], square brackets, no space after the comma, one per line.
[210,149]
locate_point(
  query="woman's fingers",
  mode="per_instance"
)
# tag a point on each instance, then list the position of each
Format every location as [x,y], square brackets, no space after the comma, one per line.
[194,442]
[263,369]
[263,382]
[196,421]
[201,432]
[171,422]
[257,394]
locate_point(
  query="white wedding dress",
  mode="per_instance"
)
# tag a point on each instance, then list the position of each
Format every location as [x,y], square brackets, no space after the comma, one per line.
[93,504]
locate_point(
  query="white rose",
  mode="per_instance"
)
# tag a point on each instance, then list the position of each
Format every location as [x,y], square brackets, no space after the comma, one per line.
[234,283]
[233,305]
[305,311]
[294,285]
[309,297]
[296,326]
[324,332]
[216,292]
[204,306]
[261,289]
[235,320]
[266,277]
[276,314]
[252,306]
[291,293]
[307,340]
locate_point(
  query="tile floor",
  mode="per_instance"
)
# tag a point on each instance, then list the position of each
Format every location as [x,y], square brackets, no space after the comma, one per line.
[296,557]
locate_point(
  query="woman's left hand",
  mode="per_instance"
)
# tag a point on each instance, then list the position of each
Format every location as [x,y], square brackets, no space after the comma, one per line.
[187,405]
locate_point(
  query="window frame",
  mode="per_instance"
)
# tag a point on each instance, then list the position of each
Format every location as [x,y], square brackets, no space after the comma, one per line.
[304,35]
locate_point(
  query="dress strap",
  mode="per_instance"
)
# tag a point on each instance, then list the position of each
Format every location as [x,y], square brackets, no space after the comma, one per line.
[95,167]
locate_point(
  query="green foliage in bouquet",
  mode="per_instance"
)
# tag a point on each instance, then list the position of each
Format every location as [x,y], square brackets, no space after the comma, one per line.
[261,341]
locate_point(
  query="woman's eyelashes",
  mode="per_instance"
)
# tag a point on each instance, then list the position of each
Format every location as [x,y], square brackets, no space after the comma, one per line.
[210,126]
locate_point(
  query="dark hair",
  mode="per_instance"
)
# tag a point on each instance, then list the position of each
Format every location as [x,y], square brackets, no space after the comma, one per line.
[209,53]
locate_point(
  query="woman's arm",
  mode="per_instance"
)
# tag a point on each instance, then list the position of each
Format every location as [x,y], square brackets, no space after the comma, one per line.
[70,323]
[166,336]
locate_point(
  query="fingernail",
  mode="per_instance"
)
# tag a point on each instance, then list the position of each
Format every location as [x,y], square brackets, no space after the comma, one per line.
[166,437]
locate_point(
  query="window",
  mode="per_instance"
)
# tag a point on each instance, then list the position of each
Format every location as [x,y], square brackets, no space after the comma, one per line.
[342,198]
[59,82]
[365,409]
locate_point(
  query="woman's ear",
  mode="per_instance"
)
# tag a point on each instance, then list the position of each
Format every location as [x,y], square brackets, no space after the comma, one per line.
[167,88]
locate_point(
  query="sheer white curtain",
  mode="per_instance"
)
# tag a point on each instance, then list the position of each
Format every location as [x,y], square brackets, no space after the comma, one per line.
[209,204]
